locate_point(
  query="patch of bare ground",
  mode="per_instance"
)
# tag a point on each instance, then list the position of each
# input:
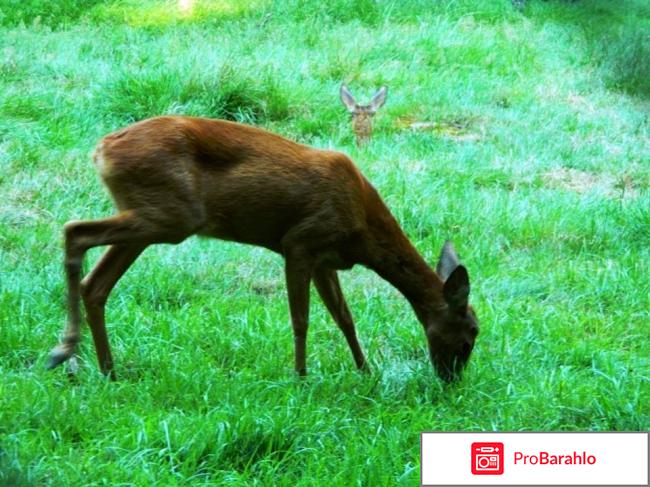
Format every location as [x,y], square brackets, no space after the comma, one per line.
[459,130]
[586,182]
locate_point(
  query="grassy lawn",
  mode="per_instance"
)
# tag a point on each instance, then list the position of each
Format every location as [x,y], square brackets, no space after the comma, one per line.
[532,155]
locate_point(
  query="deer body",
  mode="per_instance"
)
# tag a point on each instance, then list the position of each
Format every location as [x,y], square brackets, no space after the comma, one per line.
[228,181]
[173,177]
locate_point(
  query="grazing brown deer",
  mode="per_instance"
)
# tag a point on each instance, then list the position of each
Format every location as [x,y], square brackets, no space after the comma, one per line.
[362,114]
[173,177]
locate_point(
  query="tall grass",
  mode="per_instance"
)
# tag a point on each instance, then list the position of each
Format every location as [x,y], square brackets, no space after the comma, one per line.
[626,60]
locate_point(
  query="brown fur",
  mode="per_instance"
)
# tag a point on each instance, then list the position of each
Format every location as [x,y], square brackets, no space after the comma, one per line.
[172,177]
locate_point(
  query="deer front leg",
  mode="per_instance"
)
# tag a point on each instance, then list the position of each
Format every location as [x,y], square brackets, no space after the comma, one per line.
[298,267]
[329,289]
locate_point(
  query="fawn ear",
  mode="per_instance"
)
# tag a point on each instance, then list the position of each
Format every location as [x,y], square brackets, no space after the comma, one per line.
[348,99]
[378,99]
[456,289]
[447,262]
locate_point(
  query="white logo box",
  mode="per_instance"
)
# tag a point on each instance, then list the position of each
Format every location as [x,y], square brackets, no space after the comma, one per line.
[609,458]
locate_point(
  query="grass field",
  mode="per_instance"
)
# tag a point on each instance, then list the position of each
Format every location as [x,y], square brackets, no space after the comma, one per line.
[536,163]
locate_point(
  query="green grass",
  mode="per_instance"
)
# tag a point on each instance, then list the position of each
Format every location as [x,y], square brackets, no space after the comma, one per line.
[543,185]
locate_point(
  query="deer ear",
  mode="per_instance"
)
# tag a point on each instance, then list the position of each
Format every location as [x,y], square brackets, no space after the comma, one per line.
[378,99]
[456,289]
[347,98]
[447,262]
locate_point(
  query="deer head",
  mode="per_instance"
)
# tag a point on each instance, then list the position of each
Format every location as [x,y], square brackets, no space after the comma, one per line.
[362,114]
[451,331]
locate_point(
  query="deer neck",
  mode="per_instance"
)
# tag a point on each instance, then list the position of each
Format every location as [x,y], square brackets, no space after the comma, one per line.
[395,259]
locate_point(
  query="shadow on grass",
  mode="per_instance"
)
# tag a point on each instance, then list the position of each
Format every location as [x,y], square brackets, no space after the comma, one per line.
[617,36]
[246,450]
[251,452]
[45,12]
[10,472]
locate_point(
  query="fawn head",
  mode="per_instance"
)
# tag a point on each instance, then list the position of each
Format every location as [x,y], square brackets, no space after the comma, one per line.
[362,114]
[452,330]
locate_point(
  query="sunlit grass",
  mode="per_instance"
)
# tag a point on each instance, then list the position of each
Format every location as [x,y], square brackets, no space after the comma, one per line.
[161,13]
[185,6]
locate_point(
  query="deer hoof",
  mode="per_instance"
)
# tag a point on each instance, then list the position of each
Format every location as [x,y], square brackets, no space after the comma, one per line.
[364,368]
[58,355]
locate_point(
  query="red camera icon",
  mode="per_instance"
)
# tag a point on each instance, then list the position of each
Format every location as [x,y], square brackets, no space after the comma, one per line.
[487,458]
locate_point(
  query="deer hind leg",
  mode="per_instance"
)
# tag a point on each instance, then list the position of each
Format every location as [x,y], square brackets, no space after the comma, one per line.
[95,289]
[126,228]
[329,289]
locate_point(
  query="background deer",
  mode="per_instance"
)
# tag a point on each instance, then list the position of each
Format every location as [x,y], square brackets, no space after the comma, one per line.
[362,114]
[173,177]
